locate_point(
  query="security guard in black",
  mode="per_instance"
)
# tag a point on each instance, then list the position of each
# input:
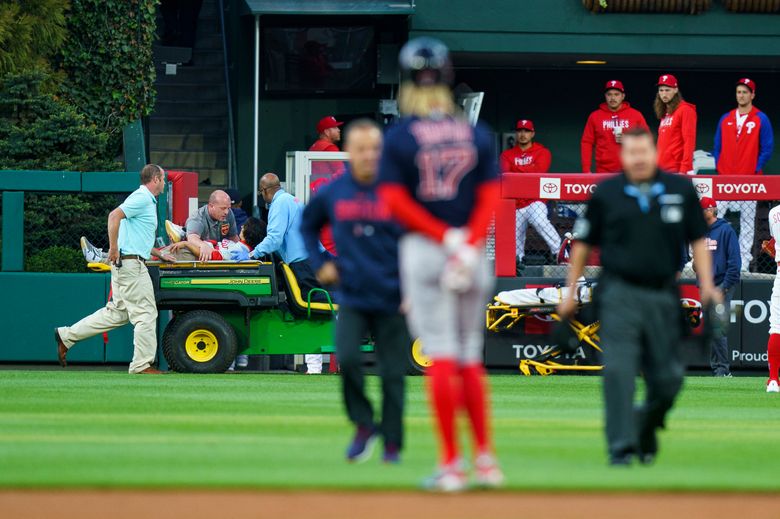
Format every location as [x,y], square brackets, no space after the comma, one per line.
[642,230]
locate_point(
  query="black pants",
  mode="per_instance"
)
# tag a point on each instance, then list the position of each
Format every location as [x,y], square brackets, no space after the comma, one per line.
[307,281]
[392,342]
[640,330]
[719,352]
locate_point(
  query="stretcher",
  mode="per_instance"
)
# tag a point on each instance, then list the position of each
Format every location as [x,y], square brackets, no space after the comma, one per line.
[510,308]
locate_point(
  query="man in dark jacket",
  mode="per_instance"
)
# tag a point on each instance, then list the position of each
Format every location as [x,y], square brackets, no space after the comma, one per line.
[723,243]
[366,271]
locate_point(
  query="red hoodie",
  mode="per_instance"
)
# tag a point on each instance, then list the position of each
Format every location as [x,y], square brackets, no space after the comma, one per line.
[677,139]
[600,130]
[536,159]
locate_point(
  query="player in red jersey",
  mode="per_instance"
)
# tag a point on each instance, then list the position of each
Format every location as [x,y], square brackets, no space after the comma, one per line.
[677,129]
[744,141]
[329,133]
[439,176]
[605,128]
[528,156]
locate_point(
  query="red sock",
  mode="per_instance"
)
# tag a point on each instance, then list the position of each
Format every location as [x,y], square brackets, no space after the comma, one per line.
[773,354]
[443,397]
[475,395]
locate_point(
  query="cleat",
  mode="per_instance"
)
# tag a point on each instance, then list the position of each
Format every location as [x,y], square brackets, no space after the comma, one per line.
[773,387]
[392,454]
[91,253]
[362,445]
[487,473]
[175,232]
[242,361]
[623,460]
[447,479]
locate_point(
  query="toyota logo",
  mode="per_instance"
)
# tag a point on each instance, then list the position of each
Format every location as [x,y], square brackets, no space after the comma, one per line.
[702,188]
[550,187]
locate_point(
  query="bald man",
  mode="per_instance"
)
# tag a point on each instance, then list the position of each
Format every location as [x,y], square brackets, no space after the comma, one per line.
[214,221]
[284,237]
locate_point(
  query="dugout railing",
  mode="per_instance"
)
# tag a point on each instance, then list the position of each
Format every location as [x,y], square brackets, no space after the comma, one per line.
[558,199]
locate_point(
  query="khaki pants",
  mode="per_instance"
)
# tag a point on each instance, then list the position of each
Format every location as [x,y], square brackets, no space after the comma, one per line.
[133,302]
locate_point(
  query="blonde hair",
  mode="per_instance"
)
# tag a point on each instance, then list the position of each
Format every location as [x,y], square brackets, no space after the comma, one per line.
[422,101]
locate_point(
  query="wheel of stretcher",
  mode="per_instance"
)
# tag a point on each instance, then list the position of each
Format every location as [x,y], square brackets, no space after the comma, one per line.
[200,341]
[418,360]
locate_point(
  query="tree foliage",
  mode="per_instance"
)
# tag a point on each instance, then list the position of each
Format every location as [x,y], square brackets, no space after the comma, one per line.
[108,59]
[31,33]
[38,130]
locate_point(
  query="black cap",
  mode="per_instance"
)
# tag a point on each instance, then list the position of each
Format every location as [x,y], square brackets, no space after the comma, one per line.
[234,196]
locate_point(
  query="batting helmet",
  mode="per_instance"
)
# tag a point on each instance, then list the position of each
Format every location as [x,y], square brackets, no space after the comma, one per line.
[426,61]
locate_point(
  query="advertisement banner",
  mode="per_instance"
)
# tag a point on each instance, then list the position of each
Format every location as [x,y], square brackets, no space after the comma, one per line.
[578,187]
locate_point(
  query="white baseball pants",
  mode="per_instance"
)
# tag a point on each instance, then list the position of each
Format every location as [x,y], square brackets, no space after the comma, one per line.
[536,215]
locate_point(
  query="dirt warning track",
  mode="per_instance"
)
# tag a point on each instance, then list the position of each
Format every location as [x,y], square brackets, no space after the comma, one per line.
[138,504]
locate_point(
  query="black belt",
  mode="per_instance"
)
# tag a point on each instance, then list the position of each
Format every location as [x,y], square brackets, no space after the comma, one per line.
[131,256]
[653,284]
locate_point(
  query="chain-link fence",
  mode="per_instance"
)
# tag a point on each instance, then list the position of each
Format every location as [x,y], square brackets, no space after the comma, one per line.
[54,224]
[543,235]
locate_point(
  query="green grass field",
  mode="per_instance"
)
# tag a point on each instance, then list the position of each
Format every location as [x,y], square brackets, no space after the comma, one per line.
[107,429]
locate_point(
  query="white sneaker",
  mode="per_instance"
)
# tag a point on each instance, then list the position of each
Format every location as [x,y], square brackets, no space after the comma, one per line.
[242,361]
[448,479]
[91,253]
[487,473]
[175,232]
[773,387]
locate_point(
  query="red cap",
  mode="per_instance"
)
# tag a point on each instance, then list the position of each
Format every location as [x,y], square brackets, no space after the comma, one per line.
[707,202]
[667,80]
[525,124]
[748,83]
[614,85]
[327,122]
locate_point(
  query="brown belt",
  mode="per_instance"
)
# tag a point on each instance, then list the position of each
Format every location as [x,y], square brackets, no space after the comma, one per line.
[131,256]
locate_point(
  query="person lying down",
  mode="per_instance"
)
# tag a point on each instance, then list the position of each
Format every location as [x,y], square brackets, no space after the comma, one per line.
[252,233]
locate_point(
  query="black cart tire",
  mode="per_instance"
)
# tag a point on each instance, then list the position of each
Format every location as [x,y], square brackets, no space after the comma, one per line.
[200,341]
[418,361]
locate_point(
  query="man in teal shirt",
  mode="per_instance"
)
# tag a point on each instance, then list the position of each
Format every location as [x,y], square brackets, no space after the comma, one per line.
[131,232]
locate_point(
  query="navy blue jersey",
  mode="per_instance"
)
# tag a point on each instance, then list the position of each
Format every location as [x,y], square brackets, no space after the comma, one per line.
[441,162]
[366,238]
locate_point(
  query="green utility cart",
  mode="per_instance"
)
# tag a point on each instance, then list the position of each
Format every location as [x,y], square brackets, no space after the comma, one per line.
[221,309]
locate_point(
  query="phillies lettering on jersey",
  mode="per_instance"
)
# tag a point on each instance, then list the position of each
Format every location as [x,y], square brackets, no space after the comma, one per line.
[599,132]
[743,149]
[677,139]
[441,162]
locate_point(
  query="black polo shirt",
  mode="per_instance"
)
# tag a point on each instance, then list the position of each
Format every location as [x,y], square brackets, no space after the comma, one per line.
[642,230]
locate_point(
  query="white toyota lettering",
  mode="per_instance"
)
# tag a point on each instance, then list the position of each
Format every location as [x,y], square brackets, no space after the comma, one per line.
[740,189]
[580,189]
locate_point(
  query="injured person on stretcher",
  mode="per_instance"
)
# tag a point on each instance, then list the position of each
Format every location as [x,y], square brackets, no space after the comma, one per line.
[511,307]
[252,233]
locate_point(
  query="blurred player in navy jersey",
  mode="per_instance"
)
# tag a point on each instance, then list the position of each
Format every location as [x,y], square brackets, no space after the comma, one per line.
[439,176]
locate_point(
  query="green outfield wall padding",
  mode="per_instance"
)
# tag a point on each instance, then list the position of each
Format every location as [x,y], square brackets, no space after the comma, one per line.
[40,302]
[13,226]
